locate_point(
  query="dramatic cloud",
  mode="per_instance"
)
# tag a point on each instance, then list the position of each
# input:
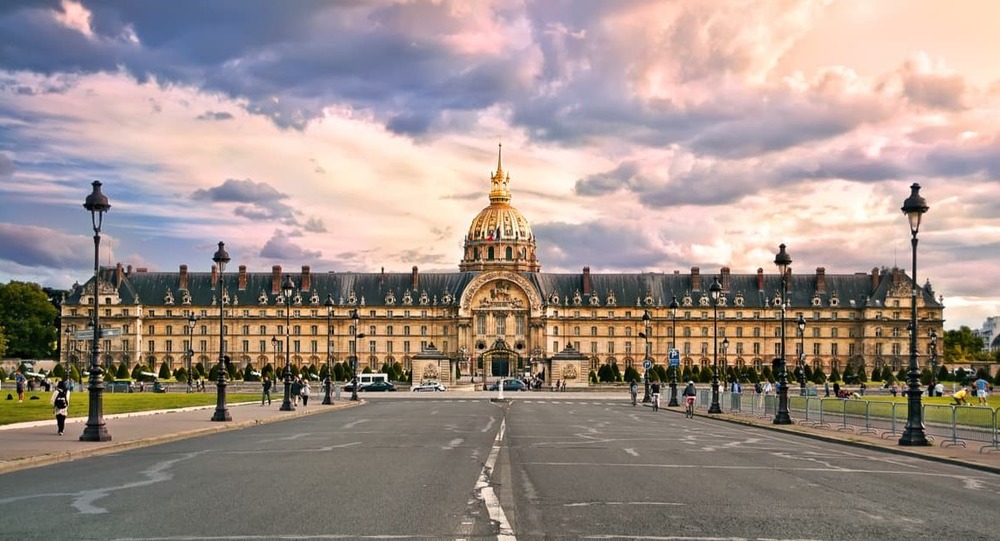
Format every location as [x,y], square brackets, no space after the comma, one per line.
[263,202]
[279,247]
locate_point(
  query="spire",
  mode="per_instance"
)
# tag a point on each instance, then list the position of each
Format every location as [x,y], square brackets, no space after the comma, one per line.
[499,192]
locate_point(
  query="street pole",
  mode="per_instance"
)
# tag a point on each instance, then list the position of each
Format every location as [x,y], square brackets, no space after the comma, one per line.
[646,398]
[783,261]
[96,430]
[221,258]
[913,435]
[287,289]
[715,290]
[673,346]
[356,320]
[192,321]
[802,355]
[329,314]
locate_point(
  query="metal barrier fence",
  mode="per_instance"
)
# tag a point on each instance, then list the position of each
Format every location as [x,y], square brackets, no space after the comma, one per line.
[947,424]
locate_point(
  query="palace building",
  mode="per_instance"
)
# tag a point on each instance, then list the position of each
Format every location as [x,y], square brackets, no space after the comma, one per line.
[500,314]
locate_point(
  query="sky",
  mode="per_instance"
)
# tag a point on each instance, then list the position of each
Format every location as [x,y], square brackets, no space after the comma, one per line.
[640,136]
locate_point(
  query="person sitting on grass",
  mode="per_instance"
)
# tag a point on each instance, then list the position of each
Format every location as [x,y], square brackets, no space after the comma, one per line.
[960,397]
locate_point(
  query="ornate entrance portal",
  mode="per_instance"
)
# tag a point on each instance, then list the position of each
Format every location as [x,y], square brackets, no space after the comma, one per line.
[501,361]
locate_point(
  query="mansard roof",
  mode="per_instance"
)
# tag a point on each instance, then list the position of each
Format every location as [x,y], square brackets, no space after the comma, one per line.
[586,289]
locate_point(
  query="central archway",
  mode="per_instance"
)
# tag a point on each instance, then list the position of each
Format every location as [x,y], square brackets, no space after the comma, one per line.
[501,361]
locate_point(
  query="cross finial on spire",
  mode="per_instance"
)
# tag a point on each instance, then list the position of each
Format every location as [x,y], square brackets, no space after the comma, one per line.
[499,156]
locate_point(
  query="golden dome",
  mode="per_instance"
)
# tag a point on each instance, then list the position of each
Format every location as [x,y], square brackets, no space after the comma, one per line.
[500,236]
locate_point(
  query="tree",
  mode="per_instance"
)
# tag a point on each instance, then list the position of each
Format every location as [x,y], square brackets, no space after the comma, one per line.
[834,374]
[164,371]
[28,320]
[631,374]
[962,346]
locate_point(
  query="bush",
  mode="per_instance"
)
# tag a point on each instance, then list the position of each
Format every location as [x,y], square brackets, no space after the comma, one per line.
[705,374]
[631,374]
[164,371]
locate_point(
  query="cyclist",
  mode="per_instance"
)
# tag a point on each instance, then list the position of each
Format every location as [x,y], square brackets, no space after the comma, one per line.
[689,395]
[633,389]
[655,391]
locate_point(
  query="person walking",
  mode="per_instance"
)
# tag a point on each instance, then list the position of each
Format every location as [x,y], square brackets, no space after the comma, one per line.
[633,390]
[654,389]
[267,392]
[60,401]
[305,391]
[296,389]
[982,391]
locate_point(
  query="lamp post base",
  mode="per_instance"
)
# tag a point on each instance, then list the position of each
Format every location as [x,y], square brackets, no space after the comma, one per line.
[715,407]
[96,429]
[286,401]
[327,400]
[673,395]
[221,411]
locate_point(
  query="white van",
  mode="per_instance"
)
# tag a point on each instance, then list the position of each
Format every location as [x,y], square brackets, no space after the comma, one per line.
[365,379]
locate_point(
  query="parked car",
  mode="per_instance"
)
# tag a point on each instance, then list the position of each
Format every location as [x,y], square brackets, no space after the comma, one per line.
[429,386]
[377,386]
[510,385]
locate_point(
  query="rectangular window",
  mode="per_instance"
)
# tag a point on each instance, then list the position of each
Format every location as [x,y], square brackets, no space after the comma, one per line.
[593,347]
[151,347]
[704,348]
[423,330]
[555,346]
[593,331]
[406,346]
[388,330]
[833,349]
[739,348]
[388,347]
[611,348]
[519,324]
[313,346]
[756,348]
[246,346]
[371,346]
[687,348]
[816,332]
[262,346]
[314,329]
[739,332]
[204,345]
[850,350]
[611,331]
[296,346]
[501,322]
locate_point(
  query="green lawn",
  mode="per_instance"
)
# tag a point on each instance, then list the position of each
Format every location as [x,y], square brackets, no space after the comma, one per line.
[938,412]
[35,410]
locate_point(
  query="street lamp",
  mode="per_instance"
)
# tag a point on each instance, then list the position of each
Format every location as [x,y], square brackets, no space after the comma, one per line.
[220,258]
[783,261]
[645,359]
[715,290]
[802,355]
[96,430]
[329,314]
[287,288]
[192,320]
[673,347]
[355,320]
[914,207]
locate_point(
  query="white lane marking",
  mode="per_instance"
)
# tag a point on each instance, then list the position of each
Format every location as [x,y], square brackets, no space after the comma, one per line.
[588,504]
[489,424]
[632,452]
[488,495]
[453,444]
[354,423]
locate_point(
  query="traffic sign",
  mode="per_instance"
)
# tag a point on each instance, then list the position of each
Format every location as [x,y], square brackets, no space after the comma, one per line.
[88,334]
[674,357]
[646,364]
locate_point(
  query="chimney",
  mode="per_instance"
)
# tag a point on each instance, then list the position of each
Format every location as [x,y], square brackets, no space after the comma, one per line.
[725,278]
[275,279]
[243,277]
[215,275]
[695,279]
[586,280]
[820,280]
[128,270]
[760,279]
[119,270]
[414,279]
[306,278]
[183,278]
[381,276]
[874,278]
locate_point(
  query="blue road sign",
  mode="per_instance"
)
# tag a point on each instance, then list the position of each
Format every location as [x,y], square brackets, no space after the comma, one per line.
[646,364]
[675,357]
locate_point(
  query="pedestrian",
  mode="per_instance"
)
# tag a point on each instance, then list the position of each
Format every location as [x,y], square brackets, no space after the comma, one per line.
[295,390]
[939,389]
[267,392]
[19,383]
[60,401]
[864,386]
[305,391]
[826,388]
[982,391]
[836,389]
[633,390]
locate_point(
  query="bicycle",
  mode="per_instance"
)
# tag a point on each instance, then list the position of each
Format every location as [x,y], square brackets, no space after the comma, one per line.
[689,407]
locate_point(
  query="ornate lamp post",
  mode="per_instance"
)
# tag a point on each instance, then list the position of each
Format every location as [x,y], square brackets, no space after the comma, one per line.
[355,321]
[646,399]
[725,357]
[802,355]
[287,289]
[96,429]
[914,207]
[221,258]
[673,346]
[783,261]
[715,290]
[192,320]
[328,383]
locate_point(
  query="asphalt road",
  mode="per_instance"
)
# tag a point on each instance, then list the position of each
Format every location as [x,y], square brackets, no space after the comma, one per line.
[473,469]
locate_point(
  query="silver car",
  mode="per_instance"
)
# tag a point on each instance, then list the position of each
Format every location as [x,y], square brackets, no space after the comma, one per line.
[429,386]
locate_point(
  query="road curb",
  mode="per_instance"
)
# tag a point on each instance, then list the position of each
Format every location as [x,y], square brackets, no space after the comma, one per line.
[900,451]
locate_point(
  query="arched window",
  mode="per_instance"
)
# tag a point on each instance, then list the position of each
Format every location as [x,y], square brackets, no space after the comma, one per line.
[489,254]
[510,253]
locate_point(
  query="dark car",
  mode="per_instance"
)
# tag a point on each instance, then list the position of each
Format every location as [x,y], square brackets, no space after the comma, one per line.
[377,386]
[511,385]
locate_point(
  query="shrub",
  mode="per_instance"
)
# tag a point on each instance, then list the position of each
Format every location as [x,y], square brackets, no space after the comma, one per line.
[164,371]
[631,374]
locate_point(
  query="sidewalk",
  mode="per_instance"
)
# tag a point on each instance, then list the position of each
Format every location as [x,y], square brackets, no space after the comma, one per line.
[969,456]
[27,445]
